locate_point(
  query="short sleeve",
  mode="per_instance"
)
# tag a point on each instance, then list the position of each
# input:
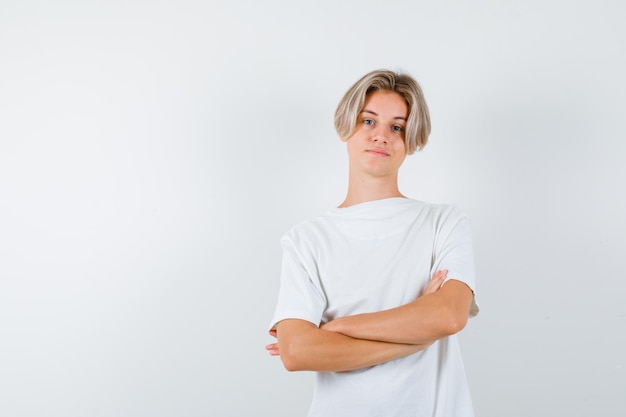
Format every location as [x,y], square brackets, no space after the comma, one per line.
[300,295]
[454,251]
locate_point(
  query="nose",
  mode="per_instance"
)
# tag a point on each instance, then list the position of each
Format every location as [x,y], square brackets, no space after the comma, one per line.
[379,134]
[379,138]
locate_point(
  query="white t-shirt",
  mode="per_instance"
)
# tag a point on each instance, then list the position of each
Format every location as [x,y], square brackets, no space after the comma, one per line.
[370,257]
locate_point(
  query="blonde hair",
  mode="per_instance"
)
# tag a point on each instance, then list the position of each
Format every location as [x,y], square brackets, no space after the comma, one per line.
[418,122]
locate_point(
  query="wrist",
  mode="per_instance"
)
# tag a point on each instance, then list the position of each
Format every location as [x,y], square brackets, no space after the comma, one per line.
[333,326]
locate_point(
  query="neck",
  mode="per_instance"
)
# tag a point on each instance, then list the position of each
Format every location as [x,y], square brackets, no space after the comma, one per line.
[362,190]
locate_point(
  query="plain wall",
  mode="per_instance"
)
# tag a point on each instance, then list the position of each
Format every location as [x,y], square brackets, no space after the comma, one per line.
[153,153]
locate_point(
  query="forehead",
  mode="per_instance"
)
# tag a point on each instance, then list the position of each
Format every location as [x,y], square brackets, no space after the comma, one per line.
[385,102]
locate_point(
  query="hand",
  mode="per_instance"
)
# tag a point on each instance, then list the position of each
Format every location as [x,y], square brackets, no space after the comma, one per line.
[436,281]
[333,325]
[272,348]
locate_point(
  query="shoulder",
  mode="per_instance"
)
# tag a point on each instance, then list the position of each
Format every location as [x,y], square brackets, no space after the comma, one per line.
[446,220]
[441,212]
[304,231]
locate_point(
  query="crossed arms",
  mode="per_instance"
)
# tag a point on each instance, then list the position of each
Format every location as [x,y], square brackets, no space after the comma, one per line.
[362,340]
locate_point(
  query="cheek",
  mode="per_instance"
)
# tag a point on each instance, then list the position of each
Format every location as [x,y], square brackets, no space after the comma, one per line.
[400,146]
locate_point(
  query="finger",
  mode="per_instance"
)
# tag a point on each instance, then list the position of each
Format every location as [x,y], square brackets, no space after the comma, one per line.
[436,281]
[442,277]
[439,275]
[272,349]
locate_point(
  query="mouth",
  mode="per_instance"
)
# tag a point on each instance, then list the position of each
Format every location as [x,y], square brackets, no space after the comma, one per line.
[378,152]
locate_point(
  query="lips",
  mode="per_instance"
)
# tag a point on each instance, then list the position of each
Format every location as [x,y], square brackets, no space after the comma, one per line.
[378,152]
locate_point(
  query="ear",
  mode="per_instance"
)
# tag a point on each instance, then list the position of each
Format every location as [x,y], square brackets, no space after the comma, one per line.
[344,139]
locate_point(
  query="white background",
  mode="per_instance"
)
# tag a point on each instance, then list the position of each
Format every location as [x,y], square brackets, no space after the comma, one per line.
[153,153]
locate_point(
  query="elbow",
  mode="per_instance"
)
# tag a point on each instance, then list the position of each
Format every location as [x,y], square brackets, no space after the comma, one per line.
[456,326]
[290,364]
[291,367]
[294,344]
[292,361]
[454,323]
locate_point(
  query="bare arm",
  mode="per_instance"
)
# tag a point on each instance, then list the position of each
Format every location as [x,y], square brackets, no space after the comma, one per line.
[305,347]
[325,351]
[428,318]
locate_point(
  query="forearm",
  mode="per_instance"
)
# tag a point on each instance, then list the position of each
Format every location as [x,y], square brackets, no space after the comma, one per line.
[303,346]
[424,320]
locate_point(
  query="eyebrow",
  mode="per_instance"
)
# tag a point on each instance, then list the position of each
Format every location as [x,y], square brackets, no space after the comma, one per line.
[376,114]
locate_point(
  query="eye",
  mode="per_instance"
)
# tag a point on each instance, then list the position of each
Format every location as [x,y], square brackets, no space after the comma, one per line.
[368,122]
[397,128]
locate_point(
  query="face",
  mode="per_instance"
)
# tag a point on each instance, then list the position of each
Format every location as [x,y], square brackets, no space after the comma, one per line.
[376,148]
